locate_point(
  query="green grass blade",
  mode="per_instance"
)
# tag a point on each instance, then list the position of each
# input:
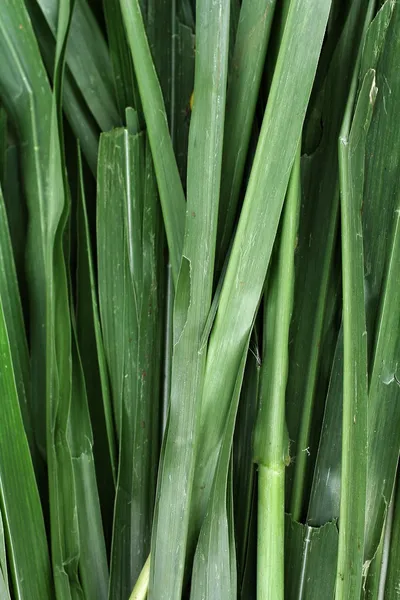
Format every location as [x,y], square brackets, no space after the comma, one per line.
[94,365]
[214,568]
[16,214]
[310,561]
[392,583]
[87,58]
[352,143]
[23,75]
[184,82]
[81,120]
[271,444]
[257,227]
[248,59]
[19,498]
[128,232]
[124,78]
[139,592]
[161,26]
[93,567]
[192,302]
[376,570]
[9,294]
[381,281]
[59,346]
[169,184]
[4,585]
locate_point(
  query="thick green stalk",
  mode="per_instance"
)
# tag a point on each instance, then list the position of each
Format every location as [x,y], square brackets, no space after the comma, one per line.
[270,440]
[168,180]
[270,533]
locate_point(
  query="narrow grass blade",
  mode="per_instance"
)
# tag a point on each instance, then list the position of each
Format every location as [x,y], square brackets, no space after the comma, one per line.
[19,498]
[192,303]
[310,561]
[93,567]
[376,569]
[257,228]
[392,583]
[128,223]
[169,184]
[16,213]
[23,76]
[184,82]
[124,79]
[78,114]
[139,592]
[316,244]
[59,347]
[94,365]
[87,58]
[161,27]
[9,294]
[352,143]
[214,569]
[248,59]
[271,444]
[4,585]
[382,288]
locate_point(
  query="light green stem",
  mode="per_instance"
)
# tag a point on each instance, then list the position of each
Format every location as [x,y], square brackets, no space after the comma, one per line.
[270,439]
[139,592]
[270,533]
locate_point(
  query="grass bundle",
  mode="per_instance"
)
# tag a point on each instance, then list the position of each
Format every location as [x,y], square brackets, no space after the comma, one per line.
[199,300]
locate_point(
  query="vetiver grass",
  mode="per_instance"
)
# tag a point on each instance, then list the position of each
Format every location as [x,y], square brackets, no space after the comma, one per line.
[199,300]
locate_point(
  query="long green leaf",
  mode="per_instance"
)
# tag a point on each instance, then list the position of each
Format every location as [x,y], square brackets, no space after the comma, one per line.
[4,583]
[381,282]
[214,569]
[26,93]
[128,233]
[352,143]
[12,309]
[192,303]
[310,561]
[248,59]
[93,567]
[124,80]
[392,583]
[87,58]
[19,498]
[60,377]
[94,365]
